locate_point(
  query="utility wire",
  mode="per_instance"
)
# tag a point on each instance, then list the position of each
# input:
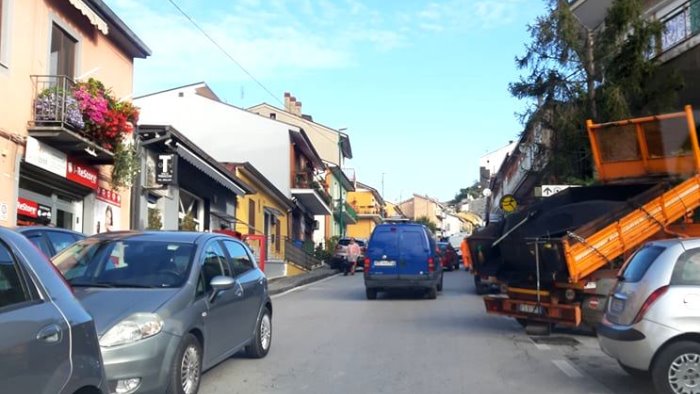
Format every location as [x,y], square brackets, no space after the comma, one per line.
[221,48]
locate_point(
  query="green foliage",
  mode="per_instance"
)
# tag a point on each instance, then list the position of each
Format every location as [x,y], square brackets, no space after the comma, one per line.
[473,191]
[573,74]
[428,223]
[127,165]
[154,219]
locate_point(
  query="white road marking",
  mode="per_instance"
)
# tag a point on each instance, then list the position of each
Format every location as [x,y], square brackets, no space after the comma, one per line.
[541,346]
[303,287]
[568,369]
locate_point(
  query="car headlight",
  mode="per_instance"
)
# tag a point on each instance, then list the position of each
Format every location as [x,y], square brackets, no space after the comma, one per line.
[134,328]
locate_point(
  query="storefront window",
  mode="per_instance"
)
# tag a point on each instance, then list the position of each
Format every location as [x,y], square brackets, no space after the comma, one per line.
[191,212]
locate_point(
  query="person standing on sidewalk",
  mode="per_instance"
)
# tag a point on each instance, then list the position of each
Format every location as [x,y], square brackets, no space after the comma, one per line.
[354,252]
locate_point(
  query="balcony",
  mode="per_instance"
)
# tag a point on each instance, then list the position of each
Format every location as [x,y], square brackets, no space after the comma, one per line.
[591,13]
[80,119]
[310,194]
[349,214]
[681,26]
[369,212]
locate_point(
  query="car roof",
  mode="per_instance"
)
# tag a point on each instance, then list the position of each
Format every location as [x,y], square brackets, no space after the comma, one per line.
[161,236]
[24,229]
[685,242]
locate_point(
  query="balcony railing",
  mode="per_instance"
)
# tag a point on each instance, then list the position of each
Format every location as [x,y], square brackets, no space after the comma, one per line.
[348,210]
[57,120]
[679,25]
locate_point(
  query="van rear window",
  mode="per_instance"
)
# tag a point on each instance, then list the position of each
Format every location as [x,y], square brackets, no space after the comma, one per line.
[640,263]
[413,243]
[385,242]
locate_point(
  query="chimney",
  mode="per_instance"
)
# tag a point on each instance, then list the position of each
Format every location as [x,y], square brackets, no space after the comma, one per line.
[298,108]
[292,105]
[287,101]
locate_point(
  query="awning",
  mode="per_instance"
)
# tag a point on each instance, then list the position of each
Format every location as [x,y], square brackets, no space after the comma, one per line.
[273,211]
[92,16]
[208,169]
[310,200]
[223,216]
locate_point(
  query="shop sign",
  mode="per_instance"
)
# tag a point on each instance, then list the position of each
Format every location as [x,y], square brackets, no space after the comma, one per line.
[109,196]
[82,174]
[27,208]
[107,210]
[46,157]
[44,213]
[166,169]
[3,212]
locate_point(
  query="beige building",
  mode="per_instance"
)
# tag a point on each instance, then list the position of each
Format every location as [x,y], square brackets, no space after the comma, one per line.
[423,206]
[54,158]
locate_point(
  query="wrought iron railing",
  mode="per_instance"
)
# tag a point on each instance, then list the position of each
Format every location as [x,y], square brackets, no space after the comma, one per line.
[349,210]
[679,25]
[54,104]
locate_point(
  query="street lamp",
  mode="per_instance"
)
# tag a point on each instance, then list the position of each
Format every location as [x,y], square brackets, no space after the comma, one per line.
[340,186]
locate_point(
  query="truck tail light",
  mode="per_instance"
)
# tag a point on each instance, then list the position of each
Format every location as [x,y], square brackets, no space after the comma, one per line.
[649,302]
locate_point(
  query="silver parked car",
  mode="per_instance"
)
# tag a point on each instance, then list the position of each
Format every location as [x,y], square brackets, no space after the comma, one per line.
[48,342]
[652,320]
[169,305]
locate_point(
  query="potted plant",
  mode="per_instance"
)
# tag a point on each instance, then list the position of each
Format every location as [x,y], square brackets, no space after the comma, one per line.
[57,104]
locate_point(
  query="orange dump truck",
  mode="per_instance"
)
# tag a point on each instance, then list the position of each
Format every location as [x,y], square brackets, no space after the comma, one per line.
[557,259]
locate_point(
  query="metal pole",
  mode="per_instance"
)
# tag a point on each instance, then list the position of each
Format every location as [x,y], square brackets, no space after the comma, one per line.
[537,263]
[340,187]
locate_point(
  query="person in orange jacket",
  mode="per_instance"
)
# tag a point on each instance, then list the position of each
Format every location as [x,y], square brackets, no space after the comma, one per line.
[466,257]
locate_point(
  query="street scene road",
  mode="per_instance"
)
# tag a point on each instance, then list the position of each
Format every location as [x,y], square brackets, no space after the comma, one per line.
[329,338]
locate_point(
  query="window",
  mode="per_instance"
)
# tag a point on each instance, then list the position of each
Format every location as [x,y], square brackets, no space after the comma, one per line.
[60,240]
[191,212]
[40,242]
[240,261]
[273,115]
[214,264]
[687,269]
[251,217]
[640,262]
[62,53]
[12,288]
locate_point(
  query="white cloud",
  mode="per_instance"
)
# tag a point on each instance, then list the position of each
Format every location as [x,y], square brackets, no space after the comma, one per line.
[463,14]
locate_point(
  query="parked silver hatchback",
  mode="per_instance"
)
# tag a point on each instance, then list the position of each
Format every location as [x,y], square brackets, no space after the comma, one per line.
[652,322]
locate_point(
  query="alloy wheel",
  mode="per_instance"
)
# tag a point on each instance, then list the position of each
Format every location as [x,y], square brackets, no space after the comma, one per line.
[684,374]
[189,370]
[265,331]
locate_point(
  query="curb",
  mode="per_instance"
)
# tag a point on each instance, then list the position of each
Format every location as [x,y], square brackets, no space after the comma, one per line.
[301,282]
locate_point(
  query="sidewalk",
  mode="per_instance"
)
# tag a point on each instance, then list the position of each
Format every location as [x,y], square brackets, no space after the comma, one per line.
[280,285]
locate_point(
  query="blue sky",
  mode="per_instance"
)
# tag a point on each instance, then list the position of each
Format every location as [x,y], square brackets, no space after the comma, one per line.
[421,86]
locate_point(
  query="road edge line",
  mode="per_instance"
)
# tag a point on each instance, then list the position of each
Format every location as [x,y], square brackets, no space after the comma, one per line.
[292,290]
[568,369]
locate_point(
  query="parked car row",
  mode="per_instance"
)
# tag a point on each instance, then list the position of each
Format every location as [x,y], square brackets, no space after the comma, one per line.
[152,311]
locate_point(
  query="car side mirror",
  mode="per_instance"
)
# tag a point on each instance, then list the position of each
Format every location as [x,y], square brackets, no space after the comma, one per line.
[220,283]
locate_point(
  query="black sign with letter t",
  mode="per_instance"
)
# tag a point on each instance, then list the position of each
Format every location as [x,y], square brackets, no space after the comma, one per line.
[166,169]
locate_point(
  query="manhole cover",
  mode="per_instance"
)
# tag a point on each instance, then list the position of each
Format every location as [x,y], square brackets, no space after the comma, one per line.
[555,341]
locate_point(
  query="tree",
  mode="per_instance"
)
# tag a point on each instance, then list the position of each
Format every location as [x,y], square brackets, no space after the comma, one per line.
[574,74]
[428,223]
[473,191]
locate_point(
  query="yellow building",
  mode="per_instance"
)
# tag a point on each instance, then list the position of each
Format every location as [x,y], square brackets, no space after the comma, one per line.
[263,212]
[393,210]
[369,205]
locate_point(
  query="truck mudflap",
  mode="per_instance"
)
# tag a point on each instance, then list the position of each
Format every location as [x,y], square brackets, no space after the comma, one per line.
[561,314]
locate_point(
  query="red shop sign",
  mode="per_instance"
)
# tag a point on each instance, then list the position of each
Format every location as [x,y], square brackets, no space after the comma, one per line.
[82,174]
[109,196]
[27,208]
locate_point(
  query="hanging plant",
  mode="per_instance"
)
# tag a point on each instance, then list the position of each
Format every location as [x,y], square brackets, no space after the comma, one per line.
[188,223]
[127,164]
[155,221]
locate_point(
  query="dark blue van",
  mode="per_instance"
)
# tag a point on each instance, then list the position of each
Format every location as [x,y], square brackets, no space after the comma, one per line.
[402,255]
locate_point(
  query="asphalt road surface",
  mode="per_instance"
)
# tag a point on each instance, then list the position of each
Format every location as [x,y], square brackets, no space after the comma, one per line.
[327,338]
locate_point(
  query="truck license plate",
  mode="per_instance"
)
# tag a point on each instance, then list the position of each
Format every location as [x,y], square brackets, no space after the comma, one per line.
[527,308]
[385,263]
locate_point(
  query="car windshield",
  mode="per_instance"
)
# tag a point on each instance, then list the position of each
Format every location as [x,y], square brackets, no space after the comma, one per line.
[125,263]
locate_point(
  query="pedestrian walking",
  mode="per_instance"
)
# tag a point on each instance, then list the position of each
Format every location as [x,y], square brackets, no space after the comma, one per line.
[353,254]
[466,257]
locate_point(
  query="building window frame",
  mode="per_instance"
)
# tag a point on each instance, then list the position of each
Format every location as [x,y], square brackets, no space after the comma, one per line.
[55,19]
[5,21]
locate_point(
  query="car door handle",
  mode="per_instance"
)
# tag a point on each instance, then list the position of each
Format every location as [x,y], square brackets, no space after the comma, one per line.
[50,334]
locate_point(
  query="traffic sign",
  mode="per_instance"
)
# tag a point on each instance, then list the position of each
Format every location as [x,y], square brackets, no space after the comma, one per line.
[508,203]
[550,190]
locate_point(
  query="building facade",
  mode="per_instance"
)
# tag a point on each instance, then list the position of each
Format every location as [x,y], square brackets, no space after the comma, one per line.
[369,205]
[55,158]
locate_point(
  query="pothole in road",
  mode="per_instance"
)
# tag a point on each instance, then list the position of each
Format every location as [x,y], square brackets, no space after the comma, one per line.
[556,341]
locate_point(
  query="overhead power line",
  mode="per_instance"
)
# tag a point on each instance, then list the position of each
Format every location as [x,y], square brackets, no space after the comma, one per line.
[225,52]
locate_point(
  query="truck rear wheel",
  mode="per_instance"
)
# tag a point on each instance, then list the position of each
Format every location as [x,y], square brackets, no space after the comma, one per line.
[538,328]
[480,288]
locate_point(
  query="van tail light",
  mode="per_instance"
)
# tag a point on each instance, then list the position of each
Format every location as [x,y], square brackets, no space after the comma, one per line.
[649,302]
[367,264]
[431,264]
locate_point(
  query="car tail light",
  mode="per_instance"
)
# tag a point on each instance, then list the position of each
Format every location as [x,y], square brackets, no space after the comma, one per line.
[431,265]
[649,302]
[367,264]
